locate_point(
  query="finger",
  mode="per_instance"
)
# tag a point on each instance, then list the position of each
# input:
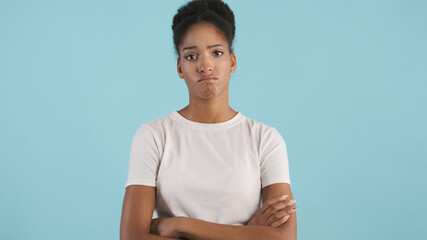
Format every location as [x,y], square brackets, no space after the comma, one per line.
[281,221]
[292,210]
[290,202]
[278,207]
[269,202]
[276,216]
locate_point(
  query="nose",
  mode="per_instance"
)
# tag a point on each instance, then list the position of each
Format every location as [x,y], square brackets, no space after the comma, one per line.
[205,64]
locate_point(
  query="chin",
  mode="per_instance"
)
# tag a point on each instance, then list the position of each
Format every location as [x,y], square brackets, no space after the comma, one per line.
[208,95]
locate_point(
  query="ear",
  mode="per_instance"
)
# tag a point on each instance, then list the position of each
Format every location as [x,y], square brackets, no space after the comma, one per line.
[233,62]
[178,66]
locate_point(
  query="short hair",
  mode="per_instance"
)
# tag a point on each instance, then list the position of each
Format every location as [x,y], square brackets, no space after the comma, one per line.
[215,12]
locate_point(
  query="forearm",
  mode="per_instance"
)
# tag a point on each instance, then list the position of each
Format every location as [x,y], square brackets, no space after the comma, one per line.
[154,237]
[201,230]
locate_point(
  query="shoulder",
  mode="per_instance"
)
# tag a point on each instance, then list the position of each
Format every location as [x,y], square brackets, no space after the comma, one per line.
[153,131]
[156,126]
[262,131]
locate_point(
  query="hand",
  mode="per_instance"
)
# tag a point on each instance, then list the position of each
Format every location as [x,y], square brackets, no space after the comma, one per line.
[165,227]
[274,212]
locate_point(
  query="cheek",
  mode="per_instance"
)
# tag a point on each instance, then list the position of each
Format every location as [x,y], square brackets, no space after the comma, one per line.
[187,67]
[225,66]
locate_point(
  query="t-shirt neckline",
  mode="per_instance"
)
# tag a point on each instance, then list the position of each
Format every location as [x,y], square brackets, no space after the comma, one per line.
[208,126]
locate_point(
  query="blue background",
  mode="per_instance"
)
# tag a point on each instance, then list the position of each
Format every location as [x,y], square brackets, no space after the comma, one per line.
[344,82]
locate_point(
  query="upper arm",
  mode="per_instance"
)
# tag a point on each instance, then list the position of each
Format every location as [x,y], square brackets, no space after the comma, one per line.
[289,229]
[137,212]
[274,165]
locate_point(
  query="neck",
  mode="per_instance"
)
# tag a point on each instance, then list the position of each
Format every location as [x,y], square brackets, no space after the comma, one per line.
[213,110]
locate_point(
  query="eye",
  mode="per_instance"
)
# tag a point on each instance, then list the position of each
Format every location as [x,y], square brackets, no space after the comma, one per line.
[190,57]
[218,53]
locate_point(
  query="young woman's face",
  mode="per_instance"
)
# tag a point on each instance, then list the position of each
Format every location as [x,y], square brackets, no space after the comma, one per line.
[205,61]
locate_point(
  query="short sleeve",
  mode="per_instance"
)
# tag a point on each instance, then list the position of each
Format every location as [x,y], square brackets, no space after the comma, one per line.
[274,164]
[144,159]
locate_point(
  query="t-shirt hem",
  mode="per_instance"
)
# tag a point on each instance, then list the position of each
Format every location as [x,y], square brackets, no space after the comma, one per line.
[145,183]
[276,181]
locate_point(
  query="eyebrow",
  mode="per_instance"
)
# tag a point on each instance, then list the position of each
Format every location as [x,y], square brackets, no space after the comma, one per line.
[211,46]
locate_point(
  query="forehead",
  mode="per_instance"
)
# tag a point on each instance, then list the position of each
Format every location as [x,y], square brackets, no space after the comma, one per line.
[203,34]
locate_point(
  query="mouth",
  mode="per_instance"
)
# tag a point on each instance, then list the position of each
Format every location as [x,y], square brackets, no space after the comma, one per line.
[207,79]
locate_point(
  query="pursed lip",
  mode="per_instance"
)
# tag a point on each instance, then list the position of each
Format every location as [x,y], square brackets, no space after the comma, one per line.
[207,79]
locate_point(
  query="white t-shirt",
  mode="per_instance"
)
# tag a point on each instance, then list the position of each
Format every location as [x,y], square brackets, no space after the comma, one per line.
[209,171]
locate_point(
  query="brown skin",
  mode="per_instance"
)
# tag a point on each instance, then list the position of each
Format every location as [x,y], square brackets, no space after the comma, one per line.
[275,211]
[189,228]
[208,101]
[209,55]
[138,207]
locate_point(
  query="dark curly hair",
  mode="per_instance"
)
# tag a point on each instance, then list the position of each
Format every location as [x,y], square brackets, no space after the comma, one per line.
[212,11]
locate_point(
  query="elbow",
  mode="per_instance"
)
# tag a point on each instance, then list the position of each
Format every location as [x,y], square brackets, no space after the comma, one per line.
[135,236]
[286,236]
[288,231]
[145,236]
[282,234]
[271,233]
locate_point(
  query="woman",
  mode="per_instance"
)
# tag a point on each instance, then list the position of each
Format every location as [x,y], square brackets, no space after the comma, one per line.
[205,167]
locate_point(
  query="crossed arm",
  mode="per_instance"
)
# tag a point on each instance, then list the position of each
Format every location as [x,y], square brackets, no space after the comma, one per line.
[275,219]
